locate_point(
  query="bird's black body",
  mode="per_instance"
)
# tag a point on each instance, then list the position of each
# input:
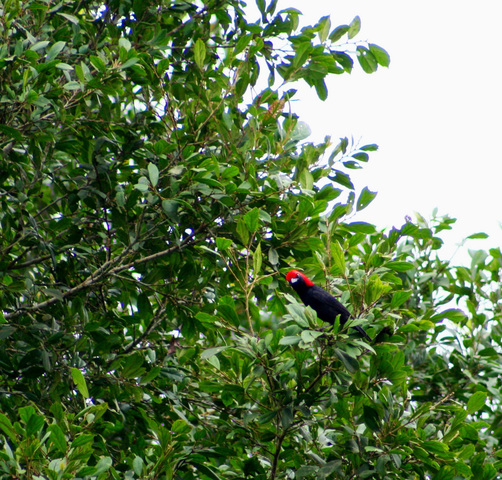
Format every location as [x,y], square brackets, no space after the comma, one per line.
[325,305]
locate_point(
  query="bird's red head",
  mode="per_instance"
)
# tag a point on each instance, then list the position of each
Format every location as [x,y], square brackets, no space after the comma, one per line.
[293,275]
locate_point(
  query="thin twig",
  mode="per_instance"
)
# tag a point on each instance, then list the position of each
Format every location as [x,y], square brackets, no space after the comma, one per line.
[107,269]
[153,324]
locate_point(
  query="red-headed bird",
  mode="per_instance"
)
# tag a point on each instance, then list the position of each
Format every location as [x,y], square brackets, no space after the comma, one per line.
[326,306]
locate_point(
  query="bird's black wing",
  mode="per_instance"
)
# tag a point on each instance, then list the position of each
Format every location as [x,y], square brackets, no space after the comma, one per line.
[328,307]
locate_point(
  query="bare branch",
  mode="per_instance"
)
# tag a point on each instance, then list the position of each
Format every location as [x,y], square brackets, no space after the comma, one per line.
[107,269]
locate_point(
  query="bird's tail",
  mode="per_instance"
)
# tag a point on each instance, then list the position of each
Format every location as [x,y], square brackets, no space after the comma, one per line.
[362,332]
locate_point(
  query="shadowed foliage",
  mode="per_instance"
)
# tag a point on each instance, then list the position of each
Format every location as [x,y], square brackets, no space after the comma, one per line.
[155,187]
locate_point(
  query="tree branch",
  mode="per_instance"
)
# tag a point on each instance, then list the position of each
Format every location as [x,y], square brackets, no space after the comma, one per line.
[107,269]
[278,448]
[153,324]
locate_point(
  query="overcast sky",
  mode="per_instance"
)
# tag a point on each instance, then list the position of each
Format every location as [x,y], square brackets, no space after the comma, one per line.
[435,113]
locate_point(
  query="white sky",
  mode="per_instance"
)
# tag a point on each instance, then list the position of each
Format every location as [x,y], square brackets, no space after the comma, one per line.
[435,113]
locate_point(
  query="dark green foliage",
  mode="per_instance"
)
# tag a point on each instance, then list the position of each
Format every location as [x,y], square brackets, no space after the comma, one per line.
[154,189]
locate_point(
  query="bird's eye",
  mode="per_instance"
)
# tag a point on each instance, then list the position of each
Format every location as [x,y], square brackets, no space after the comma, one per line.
[295,279]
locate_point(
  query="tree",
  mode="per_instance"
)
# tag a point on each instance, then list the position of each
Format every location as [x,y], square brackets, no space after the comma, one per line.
[155,187]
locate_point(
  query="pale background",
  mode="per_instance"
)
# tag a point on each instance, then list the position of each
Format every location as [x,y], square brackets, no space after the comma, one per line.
[435,113]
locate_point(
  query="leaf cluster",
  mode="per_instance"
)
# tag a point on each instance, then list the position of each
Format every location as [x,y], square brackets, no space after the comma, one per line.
[155,187]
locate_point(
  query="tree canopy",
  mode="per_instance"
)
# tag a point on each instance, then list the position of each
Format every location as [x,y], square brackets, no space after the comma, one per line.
[155,187]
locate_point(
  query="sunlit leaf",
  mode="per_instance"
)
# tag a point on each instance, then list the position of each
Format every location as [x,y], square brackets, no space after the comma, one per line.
[338,32]
[324,27]
[199,53]
[79,380]
[381,56]
[365,198]
[153,174]
[367,60]
[354,27]
[476,402]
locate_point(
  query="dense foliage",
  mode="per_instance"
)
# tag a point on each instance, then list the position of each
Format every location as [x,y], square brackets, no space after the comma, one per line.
[155,186]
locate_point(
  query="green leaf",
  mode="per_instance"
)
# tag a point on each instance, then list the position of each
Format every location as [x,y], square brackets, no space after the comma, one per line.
[287,416]
[366,60]
[371,418]
[257,260]
[82,440]
[338,33]
[338,257]
[11,132]
[467,452]
[354,27]
[151,375]
[435,447]
[400,266]
[306,179]
[72,85]
[341,178]
[6,331]
[70,18]
[57,437]
[227,311]
[324,26]
[144,305]
[365,198]
[488,352]
[64,66]
[199,53]
[161,147]
[205,317]
[309,336]
[381,56]
[7,427]
[361,227]
[300,132]
[302,53]
[375,288]
[344,60]
[476,402]
[369,148]
[210,352]
[104,464]
[399,297]
[361,156]
[170,208]
[290,340]
[453,314]
[55,50]
[242,231]
[39,45]
[137,465]
[350,363]
[129,63]
[230,172]
[478,236]
[242,43]
[321,89]
[97,63]
[79,381]
[266,417]
[133,366]
[273,256]
[261,6]
[25,413]
[223,243]
[153,174]
[252,219]
[35,423]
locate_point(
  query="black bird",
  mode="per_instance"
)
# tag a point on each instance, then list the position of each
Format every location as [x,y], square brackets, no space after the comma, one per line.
[326,306]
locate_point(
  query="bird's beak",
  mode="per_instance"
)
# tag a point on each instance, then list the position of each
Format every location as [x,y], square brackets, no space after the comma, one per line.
[293,280]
